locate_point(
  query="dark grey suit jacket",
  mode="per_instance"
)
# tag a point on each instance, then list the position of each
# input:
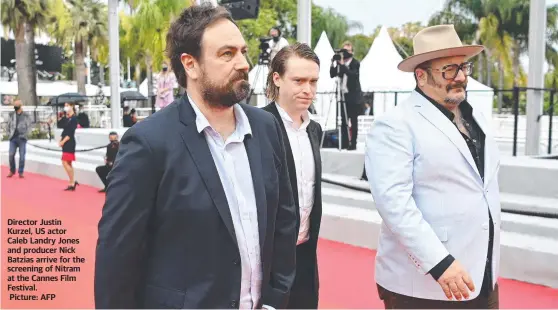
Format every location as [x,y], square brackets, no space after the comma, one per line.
[166,237]
[315,135]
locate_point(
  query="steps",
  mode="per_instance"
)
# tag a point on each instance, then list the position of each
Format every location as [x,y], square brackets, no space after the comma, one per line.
[518,175]
[537,226]
[349,216]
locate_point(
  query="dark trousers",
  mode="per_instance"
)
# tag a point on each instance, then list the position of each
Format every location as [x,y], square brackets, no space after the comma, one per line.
[486,300]
[17,143]
[354,109]
[304,293]
[102,172]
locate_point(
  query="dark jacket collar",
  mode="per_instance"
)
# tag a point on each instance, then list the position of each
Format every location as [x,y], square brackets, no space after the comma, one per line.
[464,106]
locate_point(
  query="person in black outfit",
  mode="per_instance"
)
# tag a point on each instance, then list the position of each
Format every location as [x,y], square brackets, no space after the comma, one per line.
[112,150]
[68,144]
[127,117]
[349,72]
[291,99]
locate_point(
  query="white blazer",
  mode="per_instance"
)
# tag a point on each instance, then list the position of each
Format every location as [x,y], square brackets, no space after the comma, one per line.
[431,198]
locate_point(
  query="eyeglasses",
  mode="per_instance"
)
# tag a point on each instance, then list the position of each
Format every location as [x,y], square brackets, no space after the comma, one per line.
[449,72]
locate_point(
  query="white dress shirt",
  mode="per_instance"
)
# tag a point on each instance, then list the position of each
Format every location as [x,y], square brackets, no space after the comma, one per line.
[304,164]
[234,171]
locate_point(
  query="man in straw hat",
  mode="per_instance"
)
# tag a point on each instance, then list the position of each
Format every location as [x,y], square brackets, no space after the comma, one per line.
[432,166]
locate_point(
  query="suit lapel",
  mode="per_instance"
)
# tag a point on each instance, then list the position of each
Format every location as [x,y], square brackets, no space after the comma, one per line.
[440,121]
[289,154]
[201,155]
[315,142]
[253,150]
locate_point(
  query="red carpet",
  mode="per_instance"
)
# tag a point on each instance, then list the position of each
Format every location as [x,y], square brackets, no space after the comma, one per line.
[346,272]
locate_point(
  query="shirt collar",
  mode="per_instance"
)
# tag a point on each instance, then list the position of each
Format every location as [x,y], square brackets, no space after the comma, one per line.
[243,127]
[465,108]
[286,118]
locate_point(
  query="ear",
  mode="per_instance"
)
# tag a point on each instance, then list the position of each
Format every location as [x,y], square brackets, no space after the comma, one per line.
[190,65]
[421,76]
[277,79]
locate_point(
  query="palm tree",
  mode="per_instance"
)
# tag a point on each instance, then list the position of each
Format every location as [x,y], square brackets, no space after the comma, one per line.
[80,24]
[466,15]
[499,43]
[24,18]
[334,24]
[128,45]
[151,21]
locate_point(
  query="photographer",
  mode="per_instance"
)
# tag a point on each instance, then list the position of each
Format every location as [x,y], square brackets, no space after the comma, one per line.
[344,66]
[112,150]
[277,42]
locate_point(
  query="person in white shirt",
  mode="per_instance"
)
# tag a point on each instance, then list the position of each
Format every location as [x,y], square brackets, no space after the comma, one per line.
[432,164]
[276,43]
[291,84]
[199,212]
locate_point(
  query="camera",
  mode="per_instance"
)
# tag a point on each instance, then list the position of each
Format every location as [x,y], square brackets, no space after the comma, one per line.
[339,54]
[264,57]
[264,43]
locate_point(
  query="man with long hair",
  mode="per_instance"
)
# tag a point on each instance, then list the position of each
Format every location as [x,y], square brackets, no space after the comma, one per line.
[292,84]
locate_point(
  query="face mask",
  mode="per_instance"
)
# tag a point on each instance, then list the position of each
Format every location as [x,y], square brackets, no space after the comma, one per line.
[276,39]
[67,109]
[17,108]
[165,69]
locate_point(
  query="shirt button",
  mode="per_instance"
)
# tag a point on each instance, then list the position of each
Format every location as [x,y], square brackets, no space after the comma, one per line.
[234,304]
[236,261]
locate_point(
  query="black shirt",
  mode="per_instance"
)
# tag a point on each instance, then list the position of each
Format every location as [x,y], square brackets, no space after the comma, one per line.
[476,144]
[112,150]
[69,131]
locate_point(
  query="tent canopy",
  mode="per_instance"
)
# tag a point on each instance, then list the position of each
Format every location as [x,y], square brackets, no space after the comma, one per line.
[378,69]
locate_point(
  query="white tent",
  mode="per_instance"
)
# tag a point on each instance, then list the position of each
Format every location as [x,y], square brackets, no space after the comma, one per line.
[258,80]
[378,69]
[325,102]
[379,73]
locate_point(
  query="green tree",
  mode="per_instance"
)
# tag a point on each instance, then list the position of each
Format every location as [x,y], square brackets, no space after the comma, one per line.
[79,24]
[24,18]
[150,22]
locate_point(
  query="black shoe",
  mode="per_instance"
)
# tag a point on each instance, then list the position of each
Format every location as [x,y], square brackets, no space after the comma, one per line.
[72,188]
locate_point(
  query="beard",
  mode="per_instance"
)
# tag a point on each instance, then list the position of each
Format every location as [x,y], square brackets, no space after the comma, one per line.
[235,90]
[454,100]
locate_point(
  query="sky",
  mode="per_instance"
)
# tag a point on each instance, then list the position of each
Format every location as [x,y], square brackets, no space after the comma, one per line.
[391,13]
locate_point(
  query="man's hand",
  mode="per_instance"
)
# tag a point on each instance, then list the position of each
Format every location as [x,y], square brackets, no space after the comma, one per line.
[61,143]
[456,282]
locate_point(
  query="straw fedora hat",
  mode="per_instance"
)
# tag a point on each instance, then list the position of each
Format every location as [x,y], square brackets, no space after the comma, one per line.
[437,42]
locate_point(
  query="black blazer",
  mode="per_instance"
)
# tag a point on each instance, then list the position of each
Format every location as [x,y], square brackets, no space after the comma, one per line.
[353,76]
[166,237]
[315,135]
